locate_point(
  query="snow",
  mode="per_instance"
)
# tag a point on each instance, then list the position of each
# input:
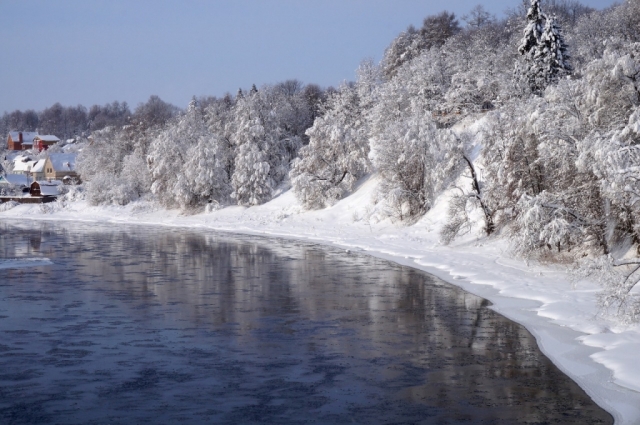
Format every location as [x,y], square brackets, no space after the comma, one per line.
[22,163]
[27,136]
[598,354]
[21,166]
[48,188]
[15,179]
[48,138]
[38,167]
[12,155]
[63,161]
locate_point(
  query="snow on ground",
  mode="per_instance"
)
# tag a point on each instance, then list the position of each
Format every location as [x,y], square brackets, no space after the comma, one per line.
[599,355]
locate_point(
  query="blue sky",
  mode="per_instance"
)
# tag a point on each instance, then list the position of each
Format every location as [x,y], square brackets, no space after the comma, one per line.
[97,51]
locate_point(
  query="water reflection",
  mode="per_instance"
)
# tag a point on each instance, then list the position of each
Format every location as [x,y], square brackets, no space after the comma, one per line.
[167,326]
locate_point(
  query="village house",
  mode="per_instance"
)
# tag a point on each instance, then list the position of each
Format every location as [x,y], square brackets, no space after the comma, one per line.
[43,142]
[13,185]
[21,140]
[57,166]
[19,188]
[23,164]
[18,181]
[61,166]
[37,170]
[45,189]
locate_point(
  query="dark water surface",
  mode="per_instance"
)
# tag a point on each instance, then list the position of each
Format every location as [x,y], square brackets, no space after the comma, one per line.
[149,325]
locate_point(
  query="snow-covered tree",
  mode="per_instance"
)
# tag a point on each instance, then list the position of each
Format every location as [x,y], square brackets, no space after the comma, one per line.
[402,49]
[478,18]
[252,140]
[154,113]
[415,161]
[251,180]
[464,200]
[188,163]
[610,149]
[113,167]
[533,31]
[510,160]
[543,49]
[268,131]
[205,171]
[435,31]
[337,153]
[220,120]
[166,159]
[553,51]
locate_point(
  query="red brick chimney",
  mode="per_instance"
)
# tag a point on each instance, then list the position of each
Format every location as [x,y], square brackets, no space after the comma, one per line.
[20,137]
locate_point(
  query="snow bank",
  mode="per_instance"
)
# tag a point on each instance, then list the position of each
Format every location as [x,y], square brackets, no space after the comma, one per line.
[5,206]
[563,316]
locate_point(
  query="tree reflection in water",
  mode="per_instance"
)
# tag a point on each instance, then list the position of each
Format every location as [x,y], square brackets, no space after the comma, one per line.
[173,326]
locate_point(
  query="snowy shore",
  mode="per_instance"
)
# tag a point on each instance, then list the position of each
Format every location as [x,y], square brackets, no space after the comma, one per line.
[598,354]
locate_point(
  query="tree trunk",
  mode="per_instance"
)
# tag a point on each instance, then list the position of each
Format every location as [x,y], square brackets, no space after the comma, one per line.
[488,215]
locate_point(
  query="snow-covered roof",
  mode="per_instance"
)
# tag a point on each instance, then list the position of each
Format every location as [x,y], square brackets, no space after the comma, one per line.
[21,158]
[72,148]
[14,179]
[48,188]
[48,138]
[23,163]
[27,136]
[11,156]
[38,167]
[63,161]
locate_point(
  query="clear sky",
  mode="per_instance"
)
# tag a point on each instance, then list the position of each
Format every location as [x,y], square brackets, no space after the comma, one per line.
[97,51]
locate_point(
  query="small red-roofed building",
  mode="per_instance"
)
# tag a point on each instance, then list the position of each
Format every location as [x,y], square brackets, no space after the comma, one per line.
[43,142]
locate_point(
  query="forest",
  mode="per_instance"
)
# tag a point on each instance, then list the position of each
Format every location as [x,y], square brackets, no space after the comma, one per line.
[530,122]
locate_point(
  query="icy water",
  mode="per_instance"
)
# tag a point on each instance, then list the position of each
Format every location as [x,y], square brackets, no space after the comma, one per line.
[134,325]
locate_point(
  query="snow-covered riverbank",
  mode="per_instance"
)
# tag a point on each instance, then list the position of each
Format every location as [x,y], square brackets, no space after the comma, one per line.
[563,315]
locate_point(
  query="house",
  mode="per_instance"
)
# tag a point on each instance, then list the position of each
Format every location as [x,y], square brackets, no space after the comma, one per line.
[22,164]
[14,180]
[13,188]
[21,140]
[42,142]
[12,184]
[37,170]
[45,188]
[61,166]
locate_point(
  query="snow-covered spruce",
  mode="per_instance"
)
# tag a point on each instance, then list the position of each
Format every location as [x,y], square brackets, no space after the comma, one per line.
[545,53]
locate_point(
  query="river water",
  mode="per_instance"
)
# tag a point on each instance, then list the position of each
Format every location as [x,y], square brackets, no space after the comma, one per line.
[128,325]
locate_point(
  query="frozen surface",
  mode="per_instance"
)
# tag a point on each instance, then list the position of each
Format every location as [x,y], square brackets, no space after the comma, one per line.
[563,316]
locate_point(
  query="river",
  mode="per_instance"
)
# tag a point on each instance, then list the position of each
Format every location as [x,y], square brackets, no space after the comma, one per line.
[112,324]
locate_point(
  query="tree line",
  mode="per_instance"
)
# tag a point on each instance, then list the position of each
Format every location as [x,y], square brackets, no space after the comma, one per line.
[69,122]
